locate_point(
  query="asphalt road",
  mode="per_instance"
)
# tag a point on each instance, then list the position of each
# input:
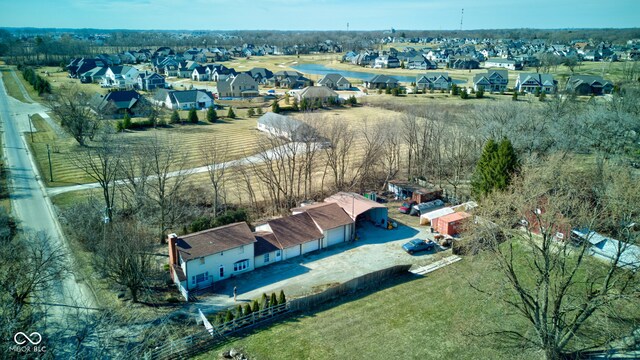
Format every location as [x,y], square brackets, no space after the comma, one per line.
[30,204]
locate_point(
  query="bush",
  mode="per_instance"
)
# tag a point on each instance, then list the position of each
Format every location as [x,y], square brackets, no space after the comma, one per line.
[172,299]
[275,107]
[514,97]
[239,311]
[387,91]
[273,301]
[126,122]
[264,302]
[259,111]
[193,116]
[251,112]
[395,92]
[295,106]
[231,114]
[175,117]
[480,93]
[256,306]
[282,299]
[120,126]
[247,309]
[454,89]
[542,96]
[212,115]
[199,224]
[229,316]
[464,94]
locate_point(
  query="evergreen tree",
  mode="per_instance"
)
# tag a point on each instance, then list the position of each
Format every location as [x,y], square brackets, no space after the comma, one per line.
[282,299]
[264,302]
[275,107]
[295,105]
[126,122]
[231,114]
[480,93]
[454,89]
[212,115]
[251,112]
[273,301]
[256,306]
[304,105]
[175,117]
[259,111]
[193,116]
[514,97]
[229,316]
[239,311]
[464,94]
[495,168]
[247,309]
[542,96]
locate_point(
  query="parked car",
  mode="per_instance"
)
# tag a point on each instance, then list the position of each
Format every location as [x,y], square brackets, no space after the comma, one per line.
[406,207]
[417,245]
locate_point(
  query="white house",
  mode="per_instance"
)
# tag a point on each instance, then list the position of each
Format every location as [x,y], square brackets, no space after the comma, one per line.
[121,77]
[509,64]
[529,82]
[183,100]
[200,259]
[286,127]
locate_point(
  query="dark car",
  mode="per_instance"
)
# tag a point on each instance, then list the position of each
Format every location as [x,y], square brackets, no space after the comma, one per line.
[417,245]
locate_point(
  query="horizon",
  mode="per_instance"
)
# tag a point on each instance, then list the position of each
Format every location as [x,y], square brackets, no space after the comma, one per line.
[319,15]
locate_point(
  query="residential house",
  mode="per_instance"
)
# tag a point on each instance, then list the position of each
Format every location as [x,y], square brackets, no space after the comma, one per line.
[463,63]
[381,82]
[532,82]
[120,77]
[493,80]
[261,75]
[286,127]
[95,75]
[296,234]
[314,93]
[150,81]
[200,73]
[240,86]
[386,62]
[588,84]
[116,104]
[267,250]
[290,80]
[200,259]
[79,66]
[434,81]
[184,100]
[503,63]
[335,81]
[220,72]
[420,62]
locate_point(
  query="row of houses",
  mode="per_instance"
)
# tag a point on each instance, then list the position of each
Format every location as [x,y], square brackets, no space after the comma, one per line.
[201,259]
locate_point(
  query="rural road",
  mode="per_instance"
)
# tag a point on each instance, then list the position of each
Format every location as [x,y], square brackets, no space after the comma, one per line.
[30,204]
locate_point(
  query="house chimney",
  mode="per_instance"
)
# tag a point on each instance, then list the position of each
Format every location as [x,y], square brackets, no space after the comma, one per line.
[173,251]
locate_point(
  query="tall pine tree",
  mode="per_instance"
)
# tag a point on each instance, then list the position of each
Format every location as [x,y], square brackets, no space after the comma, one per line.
[495,168]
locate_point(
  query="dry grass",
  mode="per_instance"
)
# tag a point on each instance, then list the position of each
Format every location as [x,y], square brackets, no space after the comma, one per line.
[11,85]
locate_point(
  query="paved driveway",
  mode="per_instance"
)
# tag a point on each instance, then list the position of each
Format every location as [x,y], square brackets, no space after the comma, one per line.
[376,249]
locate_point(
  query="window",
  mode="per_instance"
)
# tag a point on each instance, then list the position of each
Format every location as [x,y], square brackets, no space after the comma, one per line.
[200,277]
[278,253]
[266,257]
[201,260]
[221,271]
[241,265]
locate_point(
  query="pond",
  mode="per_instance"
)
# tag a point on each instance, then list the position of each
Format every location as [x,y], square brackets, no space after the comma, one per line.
[318,69]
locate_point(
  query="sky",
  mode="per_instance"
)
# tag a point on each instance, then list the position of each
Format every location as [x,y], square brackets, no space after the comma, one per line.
[319,14]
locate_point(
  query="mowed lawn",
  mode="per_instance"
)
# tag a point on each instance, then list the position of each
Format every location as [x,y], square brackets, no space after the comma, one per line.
[434,317]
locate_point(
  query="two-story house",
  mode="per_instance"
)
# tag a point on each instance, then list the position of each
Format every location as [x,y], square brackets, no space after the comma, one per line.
[434,81]
[150,81]
[530,82]
[200,259]
[493,80]
[239,86]
[120,77]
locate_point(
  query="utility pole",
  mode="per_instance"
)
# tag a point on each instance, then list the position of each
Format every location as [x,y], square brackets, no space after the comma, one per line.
[347,26]
[461,16]
[50,167]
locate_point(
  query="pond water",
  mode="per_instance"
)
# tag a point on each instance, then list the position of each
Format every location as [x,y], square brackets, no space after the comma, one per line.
[318,69]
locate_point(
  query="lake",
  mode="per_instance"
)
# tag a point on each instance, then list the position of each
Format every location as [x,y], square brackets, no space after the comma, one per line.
[317,69]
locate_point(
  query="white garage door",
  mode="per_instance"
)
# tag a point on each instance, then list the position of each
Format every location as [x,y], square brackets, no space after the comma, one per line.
[292,252]
[310,246]
[335,236]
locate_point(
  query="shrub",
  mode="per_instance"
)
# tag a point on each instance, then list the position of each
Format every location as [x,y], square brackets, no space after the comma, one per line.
[514,97]
[395,92]
[175,117]
[287,99]
[275,107]
[193,116]
[464,94]
[212,115]
[295,106]
[239,311]
[251,112]
[199,224]
[273,301]
[126,122]
[542,96]
[172,299]
[256,306]
[480,93]
[259,111]
[387,91]
[282,299]
[231,114]
[264,301]
[247,309]
[120,126]
[229,316]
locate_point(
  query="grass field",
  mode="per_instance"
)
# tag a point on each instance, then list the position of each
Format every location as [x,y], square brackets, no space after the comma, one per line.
[11,85]
[433,317]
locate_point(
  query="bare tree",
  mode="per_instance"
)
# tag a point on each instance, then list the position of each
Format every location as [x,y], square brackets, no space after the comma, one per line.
[101,163]
[70,105]
[215,156]
[459,155]
[338,154]
[566,299]
[391,159]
